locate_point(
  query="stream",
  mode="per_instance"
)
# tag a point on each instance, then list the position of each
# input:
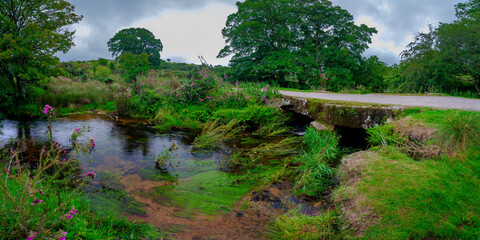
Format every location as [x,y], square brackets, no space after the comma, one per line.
[194,199]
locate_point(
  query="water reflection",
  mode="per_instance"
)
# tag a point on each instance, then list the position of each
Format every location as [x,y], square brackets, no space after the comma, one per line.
[124,161]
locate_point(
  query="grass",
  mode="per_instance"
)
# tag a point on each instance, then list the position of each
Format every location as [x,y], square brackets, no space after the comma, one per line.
[84,225]
[213,134]
[460,131]
[67,93]
[418,200]
[314,174]
[398,197]
[296,226]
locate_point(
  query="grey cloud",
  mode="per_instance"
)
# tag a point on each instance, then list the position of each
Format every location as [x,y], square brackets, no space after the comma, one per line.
[178,59]
[401,18]
[106,17]
[390,58]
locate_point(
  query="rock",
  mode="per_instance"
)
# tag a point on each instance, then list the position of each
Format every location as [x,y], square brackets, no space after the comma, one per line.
[320,126]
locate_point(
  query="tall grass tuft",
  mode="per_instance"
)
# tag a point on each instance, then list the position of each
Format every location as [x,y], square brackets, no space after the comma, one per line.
[214,134]
[64,92]
[460,131]
[314,174]
[302,227]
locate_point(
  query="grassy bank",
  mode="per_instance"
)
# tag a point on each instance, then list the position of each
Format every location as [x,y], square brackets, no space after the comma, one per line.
[419,180]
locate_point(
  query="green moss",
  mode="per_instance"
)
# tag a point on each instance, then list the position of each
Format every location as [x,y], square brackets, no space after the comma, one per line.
[207,192]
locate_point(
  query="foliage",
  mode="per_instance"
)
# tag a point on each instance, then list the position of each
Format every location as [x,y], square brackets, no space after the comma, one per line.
[298,226]
[280,40]
[67,93]
[372,74]
[384,136]
[458,41]
[165,157]
[313,173]
[31,33]
[460,131]
[42,197]
[26,192]
[136,41]
[443,59]
[213,135]
[197,88]
[133,65]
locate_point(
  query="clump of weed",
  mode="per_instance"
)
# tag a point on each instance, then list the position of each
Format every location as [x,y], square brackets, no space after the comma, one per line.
[412,138]
[298,226]
[165,157]
[314,174]
[213,134]
[460,131]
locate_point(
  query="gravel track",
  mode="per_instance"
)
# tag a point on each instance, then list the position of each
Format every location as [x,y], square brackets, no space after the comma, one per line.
[411,101]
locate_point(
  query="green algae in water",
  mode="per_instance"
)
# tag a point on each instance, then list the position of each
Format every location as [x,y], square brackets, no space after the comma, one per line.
[186,168]
[208,192]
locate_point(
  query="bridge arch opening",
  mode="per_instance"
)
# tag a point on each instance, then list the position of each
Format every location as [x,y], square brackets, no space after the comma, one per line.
[352,138]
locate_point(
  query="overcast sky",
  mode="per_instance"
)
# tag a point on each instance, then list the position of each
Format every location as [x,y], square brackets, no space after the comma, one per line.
[189,28]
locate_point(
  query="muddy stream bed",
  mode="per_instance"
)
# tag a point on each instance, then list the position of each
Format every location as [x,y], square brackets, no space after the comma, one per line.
[193,200]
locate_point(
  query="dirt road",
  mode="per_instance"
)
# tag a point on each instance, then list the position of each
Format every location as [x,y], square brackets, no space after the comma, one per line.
[411,101]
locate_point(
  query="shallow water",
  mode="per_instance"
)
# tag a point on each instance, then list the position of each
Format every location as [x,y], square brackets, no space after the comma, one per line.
[194,197]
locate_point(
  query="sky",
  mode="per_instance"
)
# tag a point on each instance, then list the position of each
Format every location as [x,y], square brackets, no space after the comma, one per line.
[189,28]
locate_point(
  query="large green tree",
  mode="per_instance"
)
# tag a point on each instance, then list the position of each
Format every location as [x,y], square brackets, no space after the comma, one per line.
[136,41]
[299,40]
[31,32]
[459,41]
[445,59]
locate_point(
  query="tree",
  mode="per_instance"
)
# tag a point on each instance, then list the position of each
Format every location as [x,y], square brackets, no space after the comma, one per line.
[136,41]
[31,33]
[423,70]
[295,39]
[133,65]
[458,41]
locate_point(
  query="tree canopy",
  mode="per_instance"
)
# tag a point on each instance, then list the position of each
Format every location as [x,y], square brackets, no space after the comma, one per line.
[458,42]
[31,32]
[294,41]
[445,59]
[136,41]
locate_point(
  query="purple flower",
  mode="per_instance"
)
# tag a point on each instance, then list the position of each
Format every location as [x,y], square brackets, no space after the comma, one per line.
[208,97]
[236,83]
[36,201]
[77,130]
[201,100]
[91,174]
[47,109]
[93,143]
[31,237]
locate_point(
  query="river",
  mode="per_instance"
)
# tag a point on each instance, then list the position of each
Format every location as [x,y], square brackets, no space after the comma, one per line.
[194,198]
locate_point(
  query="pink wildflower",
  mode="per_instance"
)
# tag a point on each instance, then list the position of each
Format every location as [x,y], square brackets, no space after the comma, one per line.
[91,174]
[31,237]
